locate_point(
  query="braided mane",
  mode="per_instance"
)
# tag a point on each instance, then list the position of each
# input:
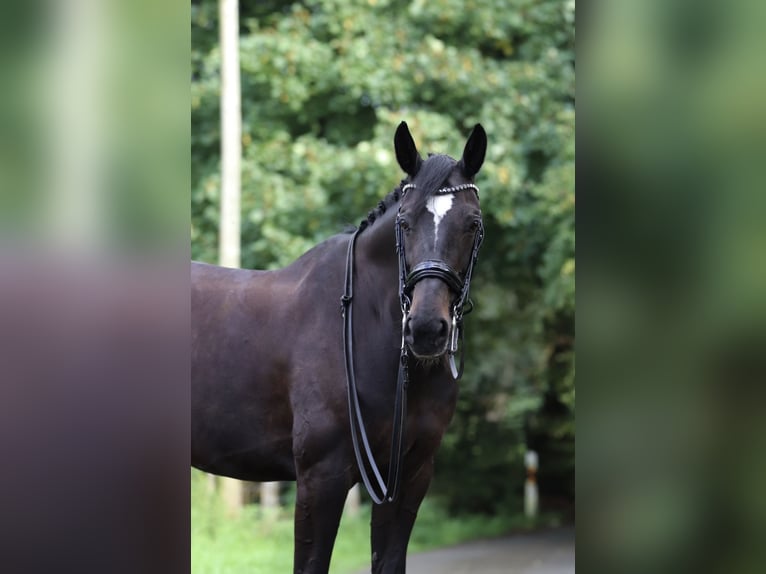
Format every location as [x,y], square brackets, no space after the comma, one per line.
[433,173]
[390,199]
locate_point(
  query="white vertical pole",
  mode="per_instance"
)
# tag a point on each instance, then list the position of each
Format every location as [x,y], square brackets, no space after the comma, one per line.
[76,208]
[231,152]
[231,134]
[270,496]
[353,501]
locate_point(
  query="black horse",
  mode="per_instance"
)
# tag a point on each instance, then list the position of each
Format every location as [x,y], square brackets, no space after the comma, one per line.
[288,384]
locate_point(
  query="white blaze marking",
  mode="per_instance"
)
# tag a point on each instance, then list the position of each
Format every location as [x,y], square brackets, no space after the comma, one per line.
[439,205]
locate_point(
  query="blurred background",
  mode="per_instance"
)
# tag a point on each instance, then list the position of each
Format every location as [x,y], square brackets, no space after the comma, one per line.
[323,86]
[672,301]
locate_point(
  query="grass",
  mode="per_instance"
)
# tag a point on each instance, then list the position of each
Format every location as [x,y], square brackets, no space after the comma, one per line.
[260,544]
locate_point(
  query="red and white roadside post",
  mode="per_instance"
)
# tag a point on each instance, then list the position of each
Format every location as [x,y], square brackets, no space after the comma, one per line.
[530,488]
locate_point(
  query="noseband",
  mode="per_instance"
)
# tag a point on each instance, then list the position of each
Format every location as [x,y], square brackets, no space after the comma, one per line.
[437,269]
[434,268]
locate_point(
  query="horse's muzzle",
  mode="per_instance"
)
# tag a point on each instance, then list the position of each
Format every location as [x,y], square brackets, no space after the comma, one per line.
[426,337]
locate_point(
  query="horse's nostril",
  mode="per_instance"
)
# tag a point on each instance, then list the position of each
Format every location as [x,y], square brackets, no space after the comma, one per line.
[443,328]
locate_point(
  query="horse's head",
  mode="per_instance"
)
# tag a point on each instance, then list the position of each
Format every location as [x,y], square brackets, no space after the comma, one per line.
[439,229]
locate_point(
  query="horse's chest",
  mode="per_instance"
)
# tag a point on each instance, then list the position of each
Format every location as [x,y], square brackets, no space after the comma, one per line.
[428,420]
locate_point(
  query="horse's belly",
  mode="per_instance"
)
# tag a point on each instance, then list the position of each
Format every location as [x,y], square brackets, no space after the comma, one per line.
[256,469]
[243,452]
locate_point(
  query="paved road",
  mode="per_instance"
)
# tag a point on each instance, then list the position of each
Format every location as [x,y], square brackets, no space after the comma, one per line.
[546,552]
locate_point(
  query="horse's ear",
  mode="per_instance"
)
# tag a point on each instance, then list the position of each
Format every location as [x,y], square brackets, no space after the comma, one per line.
[406,153]
[473,154]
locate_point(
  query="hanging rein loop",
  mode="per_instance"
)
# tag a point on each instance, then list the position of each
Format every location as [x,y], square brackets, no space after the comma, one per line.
[381,491]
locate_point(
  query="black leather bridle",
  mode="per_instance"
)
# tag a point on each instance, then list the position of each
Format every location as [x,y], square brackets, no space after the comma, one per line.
[407,281]
[440,270]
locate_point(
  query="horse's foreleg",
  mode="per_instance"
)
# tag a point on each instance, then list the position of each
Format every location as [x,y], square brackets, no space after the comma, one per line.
[318,508]
[392,522]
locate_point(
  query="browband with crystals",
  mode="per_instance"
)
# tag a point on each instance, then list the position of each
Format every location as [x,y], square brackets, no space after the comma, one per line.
[445,190]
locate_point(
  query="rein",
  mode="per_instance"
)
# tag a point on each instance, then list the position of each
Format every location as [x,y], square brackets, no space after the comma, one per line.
[387,491]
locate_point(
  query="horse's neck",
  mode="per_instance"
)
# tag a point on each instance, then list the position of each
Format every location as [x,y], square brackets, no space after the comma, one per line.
[376,253]
[377,309]
[378,241]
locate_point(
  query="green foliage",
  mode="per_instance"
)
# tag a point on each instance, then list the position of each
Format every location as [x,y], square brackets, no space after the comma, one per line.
[325,82]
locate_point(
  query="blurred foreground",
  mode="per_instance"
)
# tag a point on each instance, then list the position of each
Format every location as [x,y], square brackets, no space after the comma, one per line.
[672,306]
[94,203]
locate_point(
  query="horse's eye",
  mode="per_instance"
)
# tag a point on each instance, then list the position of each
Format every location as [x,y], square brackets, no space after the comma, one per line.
[404,225]
[473,226]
